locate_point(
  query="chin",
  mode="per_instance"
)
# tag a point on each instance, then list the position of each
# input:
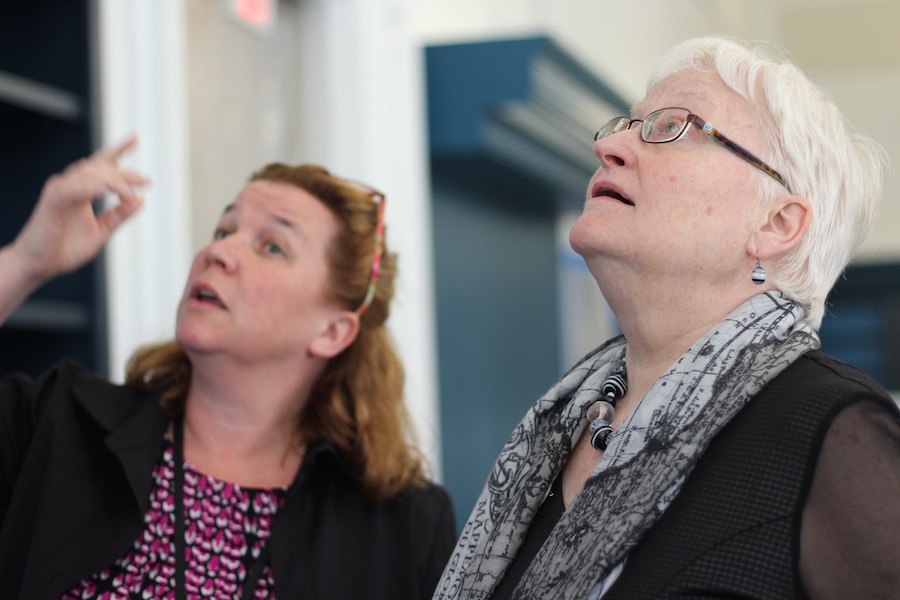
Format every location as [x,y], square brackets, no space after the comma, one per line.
[596,233]
[195,339]
[581,236]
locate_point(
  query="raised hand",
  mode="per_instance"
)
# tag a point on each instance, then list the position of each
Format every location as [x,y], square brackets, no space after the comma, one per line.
[63,232]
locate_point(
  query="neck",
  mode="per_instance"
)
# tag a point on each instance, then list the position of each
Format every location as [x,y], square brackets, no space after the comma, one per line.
[243,428]
[662,322]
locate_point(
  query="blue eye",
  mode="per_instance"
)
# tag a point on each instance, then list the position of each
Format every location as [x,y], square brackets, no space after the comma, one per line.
[672,127]
[272,248]
[220,233]
[662,126]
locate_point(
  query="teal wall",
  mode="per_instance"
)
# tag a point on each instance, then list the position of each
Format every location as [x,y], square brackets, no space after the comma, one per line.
[496,296]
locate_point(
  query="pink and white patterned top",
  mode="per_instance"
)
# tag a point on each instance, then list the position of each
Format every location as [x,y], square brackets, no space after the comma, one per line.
[226,527]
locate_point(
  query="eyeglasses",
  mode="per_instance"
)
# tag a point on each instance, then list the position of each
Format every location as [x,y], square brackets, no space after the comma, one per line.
[670,124]
[379,198]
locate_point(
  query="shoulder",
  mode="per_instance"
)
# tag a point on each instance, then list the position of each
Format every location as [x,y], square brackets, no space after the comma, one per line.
[820,378]
[325,471]
[797,406]
[427,501]
[28,394]
[829,370]
[426,513]
[424,507]
[63,374]
[70,387]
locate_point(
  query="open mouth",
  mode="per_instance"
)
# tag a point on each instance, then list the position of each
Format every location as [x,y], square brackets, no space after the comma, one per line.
[602,191]
[207,296]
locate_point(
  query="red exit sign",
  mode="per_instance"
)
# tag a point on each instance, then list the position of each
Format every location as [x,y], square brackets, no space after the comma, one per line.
[257,14]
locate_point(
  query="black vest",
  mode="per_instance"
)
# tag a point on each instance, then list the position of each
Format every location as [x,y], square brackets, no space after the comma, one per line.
[734,529]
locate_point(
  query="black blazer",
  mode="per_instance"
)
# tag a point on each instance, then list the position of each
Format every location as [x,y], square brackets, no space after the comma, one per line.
[76,459]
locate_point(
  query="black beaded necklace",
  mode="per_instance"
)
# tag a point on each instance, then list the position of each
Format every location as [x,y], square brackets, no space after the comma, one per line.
[602,413]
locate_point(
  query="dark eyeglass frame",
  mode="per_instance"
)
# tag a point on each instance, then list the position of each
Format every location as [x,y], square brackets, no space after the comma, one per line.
[617,124]
[381,200]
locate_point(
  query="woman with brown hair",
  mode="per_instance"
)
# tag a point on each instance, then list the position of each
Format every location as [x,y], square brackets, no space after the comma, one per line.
[281,397]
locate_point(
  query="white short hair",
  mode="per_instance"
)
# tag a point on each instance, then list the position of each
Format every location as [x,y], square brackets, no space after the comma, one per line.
[811,144]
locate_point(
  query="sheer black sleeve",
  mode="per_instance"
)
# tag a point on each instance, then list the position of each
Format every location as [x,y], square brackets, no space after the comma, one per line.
[850,536]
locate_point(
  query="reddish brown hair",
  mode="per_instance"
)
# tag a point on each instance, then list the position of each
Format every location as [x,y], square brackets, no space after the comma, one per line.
[357,403]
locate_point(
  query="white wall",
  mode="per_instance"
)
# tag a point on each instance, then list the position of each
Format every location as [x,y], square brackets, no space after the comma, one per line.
[619,40]
[362,113]
[141,89]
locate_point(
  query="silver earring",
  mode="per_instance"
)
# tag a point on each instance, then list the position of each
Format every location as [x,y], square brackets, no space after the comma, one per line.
[759,274]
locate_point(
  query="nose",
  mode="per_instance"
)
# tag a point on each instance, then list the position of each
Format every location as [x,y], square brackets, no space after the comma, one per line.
[617,149]
[222,252]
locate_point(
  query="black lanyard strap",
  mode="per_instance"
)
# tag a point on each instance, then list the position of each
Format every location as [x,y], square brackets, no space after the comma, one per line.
[178,468]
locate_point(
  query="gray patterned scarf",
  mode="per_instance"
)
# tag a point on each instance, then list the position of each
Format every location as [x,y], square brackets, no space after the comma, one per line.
[643,468]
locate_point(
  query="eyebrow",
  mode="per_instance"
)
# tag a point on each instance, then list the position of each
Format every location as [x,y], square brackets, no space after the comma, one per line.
[698,93]
[284,222]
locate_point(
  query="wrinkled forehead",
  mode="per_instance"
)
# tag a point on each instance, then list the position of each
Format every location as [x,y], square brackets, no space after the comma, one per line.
[700,91]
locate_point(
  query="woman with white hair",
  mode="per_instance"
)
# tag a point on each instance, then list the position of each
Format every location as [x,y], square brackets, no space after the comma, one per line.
[711,450]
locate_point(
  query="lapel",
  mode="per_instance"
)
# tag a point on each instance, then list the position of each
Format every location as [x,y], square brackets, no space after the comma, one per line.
[82,530]
[134,425]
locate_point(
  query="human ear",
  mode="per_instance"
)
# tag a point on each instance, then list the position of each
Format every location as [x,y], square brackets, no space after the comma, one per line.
[784,225]
[339,332]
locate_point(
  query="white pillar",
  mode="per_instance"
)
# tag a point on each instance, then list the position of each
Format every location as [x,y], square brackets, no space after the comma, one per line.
[141,88]
[362,115]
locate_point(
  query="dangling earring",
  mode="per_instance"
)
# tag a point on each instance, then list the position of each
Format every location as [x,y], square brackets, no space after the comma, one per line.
[759,274]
